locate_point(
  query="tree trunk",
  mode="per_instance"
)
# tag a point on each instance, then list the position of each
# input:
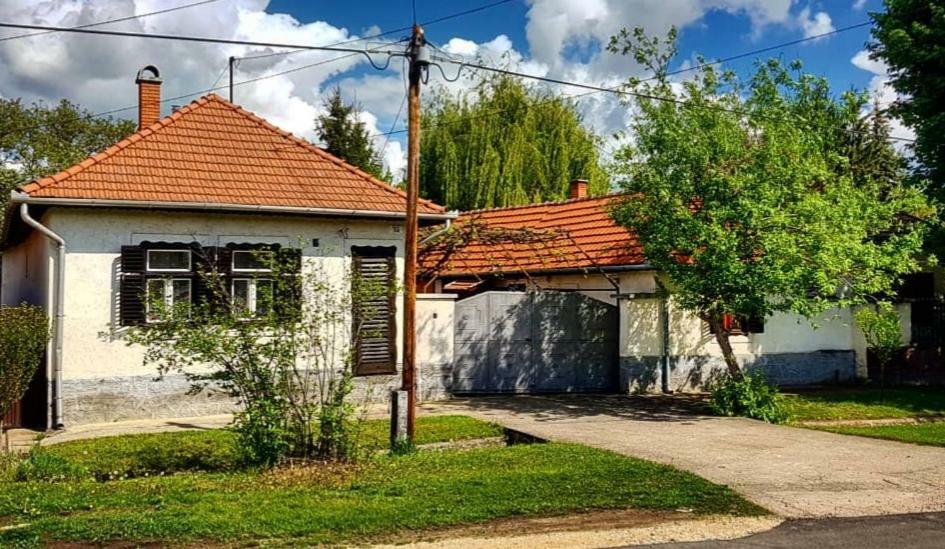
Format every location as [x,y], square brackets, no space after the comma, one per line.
[722,337]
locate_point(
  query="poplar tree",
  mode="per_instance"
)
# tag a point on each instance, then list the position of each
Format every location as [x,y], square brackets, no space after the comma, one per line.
[505,144]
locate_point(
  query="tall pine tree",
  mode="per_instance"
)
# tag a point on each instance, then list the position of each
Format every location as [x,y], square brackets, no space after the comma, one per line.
[345,136]
[507,144]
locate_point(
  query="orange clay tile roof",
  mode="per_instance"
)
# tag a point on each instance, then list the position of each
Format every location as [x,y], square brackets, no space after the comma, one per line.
[571,234]
[212,151]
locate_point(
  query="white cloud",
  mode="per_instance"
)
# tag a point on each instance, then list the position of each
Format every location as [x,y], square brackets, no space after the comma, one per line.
[883,93]
[859,4]
[816,24]
[98,72]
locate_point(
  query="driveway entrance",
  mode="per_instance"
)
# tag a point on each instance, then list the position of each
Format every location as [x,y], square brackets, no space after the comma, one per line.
[535,342]
[794,472]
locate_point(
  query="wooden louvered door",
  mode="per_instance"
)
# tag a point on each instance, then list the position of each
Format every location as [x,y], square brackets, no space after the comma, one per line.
[374,323]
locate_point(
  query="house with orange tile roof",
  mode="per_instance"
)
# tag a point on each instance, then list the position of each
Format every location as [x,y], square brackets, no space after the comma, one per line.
[89,242]
[558,297]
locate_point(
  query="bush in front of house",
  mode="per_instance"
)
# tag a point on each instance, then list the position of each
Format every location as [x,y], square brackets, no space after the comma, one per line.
[747,395]
[288,362]
[24,331]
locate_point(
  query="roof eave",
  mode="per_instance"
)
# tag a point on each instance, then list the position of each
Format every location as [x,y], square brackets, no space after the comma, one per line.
[21,198]
[545,272]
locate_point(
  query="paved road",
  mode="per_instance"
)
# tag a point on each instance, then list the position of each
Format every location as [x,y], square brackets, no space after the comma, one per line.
[793,472]
[916,531]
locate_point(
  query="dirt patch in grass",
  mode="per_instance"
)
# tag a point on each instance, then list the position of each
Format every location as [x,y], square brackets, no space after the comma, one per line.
[609,519]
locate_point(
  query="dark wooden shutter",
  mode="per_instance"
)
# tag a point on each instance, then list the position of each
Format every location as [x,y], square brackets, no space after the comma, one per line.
[131,295]
[203,264]
[375,332]
[289,288]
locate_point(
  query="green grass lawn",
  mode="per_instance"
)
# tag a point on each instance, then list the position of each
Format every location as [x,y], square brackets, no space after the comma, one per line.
[865,403]
[929,434]
[215,449]
[332,503]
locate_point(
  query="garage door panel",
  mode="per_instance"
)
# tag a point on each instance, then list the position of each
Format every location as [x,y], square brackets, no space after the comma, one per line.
[539,342]
[511,368]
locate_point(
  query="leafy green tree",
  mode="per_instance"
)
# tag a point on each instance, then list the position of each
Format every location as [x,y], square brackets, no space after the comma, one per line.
[882,329]
[745,195]
[508,144]
[910,39]
[37,140]
[345,136]
[24,331]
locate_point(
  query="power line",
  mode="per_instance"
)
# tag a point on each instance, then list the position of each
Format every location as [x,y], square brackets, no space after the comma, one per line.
[393,31]
[177,37]
[120,19]
[615,89]
[638,95]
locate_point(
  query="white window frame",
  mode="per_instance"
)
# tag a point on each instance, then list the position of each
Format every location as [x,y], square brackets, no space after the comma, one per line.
[251,293]
[255,252]
[168,294]
[190,261]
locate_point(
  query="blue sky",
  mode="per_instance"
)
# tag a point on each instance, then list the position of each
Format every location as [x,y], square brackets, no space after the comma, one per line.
[718,34]
[556,38]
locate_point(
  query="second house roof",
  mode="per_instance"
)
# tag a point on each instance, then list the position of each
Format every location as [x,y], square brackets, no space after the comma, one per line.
[214,152]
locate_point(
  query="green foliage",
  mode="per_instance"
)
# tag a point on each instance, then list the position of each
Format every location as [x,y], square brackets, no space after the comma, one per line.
[353,504]
[747,395]
[909,36]
[39,139]
[24,331]
[883,331]
[866,403]
[345,136]
[263,431]
[43,465]
[289,366]
[748,196]
[509,144]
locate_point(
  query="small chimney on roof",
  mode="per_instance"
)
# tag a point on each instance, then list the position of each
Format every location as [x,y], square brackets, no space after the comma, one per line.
[149,96]
[579,188]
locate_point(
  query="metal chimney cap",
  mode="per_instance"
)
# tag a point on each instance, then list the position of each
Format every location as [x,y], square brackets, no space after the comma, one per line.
[155,75]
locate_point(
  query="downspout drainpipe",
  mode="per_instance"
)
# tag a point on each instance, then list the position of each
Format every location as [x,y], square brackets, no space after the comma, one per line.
[54,366]
[449,223]
[664,330]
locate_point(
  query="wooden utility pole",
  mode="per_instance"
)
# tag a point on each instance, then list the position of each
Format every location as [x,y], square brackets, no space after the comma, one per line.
[418,63]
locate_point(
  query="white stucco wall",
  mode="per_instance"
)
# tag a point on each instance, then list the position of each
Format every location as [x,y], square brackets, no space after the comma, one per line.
[94,239]
[435,314]
[26,272]
[784,333]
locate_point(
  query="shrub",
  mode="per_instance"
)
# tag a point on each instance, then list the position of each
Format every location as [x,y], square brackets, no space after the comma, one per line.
[747,395]
[45,465]
[263,434]
[24,330]
[289,365]
[883,332]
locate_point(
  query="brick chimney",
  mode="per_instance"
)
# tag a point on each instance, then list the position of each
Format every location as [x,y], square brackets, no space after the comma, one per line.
[579,188]
[149,96]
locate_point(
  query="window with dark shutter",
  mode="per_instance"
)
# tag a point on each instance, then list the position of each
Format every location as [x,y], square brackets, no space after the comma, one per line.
[374,328]
[131,295]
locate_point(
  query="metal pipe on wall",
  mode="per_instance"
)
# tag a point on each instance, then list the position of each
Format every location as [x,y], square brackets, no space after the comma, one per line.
[53,365]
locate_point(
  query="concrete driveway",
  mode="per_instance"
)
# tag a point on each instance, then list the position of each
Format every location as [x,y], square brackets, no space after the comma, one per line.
[793,472]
